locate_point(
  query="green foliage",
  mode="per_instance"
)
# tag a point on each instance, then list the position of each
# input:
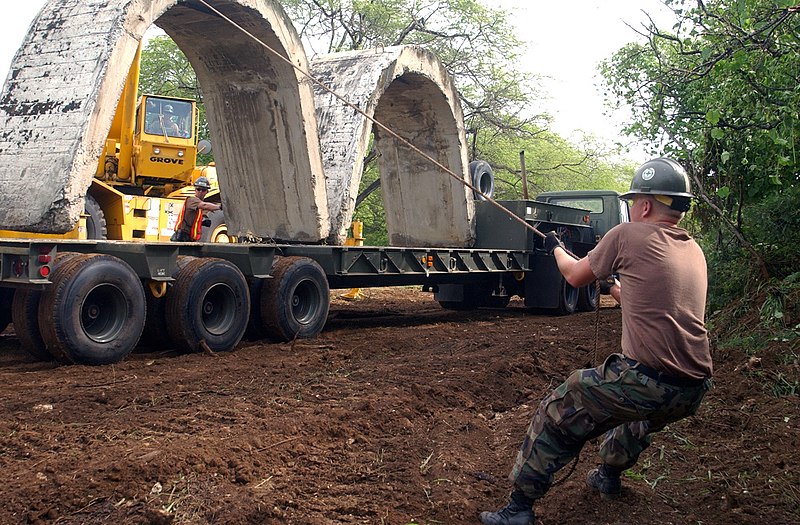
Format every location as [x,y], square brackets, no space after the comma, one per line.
[773,226]
[166,71]
[474,42]
[551,163]
[720,90]
[371,211]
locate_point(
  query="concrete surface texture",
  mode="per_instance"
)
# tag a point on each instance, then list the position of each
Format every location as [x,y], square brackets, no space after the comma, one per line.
[408,90]
[282,176]
[261,116]
[58,103]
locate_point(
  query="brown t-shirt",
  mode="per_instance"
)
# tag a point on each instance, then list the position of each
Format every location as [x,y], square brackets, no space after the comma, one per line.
[663,295]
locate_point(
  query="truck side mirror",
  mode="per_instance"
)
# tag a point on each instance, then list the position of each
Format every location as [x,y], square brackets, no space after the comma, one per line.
[204,146]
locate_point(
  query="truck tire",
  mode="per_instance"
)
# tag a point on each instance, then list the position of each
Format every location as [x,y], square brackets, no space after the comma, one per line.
[155,324]
[217,231]
[208,306]
[94,311]
[295,302]
[25,315]
[567,299]
[6,300]
[482,177]
[25,312]
[96,227]
[588,298]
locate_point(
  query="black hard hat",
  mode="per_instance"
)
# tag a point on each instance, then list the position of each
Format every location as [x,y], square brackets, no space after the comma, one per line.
[662,176]
[202,183]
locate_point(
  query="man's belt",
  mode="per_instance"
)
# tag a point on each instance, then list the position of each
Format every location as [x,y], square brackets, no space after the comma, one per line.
[655,375]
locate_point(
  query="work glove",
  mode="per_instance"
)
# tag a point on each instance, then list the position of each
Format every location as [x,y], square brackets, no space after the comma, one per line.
[551,242]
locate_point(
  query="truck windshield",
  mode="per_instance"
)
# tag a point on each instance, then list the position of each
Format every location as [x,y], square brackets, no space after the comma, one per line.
[584,203]
[169,118]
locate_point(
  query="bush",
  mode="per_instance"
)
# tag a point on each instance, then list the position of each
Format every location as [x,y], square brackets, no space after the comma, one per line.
[773,228]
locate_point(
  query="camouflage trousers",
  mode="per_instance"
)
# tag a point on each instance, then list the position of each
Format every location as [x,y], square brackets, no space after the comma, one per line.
[613,399]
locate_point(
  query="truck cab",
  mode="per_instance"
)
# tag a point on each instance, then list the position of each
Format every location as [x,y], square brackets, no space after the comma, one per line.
[605,207]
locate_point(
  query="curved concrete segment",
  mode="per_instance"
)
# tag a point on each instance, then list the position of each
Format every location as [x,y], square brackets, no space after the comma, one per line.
[408,90]
[61,93]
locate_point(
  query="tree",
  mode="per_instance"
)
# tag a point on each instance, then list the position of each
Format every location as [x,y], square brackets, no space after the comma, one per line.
[474,42]
[720,90]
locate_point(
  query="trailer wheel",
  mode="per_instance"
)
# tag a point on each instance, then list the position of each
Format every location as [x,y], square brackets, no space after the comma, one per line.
[6,300]
[25,315]
[209,303]
[567,299]
[94,311]
[155,324]
[588,298]
[25,312]
[96,227]
[482,177]
[217,230]
[295,302]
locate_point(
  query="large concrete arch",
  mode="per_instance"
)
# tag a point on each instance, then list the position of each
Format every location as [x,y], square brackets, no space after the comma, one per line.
[60,96]
[408,90]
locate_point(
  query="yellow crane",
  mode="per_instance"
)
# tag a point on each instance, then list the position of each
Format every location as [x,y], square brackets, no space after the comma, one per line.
[145,172]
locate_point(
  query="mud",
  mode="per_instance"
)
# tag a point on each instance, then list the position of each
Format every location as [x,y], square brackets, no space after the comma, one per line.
[399,413]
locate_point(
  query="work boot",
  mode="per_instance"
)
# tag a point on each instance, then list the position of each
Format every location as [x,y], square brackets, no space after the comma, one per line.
[606,480]
[518,512]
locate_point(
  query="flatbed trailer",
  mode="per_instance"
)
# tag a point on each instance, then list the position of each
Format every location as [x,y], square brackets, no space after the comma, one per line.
[92,302]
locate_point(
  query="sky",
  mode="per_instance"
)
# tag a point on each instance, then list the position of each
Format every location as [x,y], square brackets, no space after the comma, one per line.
[566,42]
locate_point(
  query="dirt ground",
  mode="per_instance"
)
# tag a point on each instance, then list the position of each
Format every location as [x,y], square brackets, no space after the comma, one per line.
[399,413]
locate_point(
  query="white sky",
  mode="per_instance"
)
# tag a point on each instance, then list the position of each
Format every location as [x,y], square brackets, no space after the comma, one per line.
[567,40]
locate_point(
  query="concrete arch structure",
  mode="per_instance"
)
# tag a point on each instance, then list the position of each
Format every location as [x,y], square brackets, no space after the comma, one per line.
[60,96]
[408,90]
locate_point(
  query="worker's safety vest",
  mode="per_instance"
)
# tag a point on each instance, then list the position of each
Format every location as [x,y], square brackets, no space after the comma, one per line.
[196,227]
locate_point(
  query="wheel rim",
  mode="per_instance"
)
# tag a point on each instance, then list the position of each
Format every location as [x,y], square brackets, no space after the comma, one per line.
[220,234]
[592,293]
[305,302]
[104,312]
[219,309]
[570,294]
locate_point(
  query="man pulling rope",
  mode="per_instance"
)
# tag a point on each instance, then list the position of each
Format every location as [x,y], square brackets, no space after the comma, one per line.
[664,369]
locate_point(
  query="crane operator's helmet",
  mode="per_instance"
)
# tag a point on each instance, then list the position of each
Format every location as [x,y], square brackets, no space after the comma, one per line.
[168,108]
[665,180]
[202,184]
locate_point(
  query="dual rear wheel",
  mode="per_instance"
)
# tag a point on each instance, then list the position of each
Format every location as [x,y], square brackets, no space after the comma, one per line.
[92,313]
[96,309]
